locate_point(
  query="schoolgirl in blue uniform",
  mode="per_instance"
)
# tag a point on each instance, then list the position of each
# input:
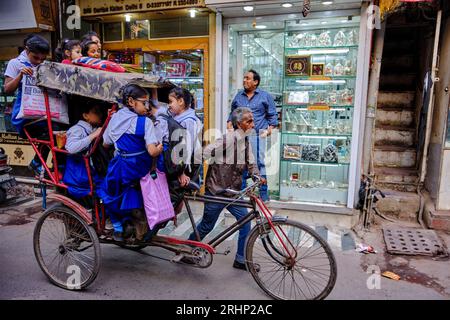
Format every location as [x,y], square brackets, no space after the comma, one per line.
[79,139]
[181,108]
[133,135]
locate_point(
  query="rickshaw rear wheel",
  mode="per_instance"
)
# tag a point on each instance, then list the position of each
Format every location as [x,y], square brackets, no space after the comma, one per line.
[67,249]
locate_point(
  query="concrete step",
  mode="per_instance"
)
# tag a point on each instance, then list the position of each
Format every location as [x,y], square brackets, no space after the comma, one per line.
[437,219]
[394,81]
[396,99]
[394,135]
[395,116]
[398,179]
[399,205]
[394,157]
[399,63]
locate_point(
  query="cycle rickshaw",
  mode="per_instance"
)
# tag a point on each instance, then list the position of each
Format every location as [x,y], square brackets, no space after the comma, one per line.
[287,259]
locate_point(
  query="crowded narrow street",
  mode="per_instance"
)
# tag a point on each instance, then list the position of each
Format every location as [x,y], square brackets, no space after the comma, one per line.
[202,150]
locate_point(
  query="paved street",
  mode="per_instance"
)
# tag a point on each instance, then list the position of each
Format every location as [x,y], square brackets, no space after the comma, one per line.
[129,275]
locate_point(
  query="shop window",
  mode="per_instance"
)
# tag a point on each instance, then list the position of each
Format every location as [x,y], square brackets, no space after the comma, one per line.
[138,29]
[6,103]
[179,27]
[112,32]
[309,67]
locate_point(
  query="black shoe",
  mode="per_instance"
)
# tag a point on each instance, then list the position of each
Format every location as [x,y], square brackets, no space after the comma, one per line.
[128,230]
[242,266]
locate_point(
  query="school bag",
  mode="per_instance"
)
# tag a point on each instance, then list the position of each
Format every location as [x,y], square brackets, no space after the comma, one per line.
[176,166]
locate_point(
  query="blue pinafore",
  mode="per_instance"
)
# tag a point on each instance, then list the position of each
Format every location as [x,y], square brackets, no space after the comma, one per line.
[120,190]
[76,176]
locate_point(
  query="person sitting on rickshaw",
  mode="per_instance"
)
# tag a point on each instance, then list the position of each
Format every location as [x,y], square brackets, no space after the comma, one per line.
[79,139]
[231,155]
[133,135]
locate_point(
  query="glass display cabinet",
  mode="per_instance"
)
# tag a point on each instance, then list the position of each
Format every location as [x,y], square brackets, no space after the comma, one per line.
[310,67]
[318,99]
[184,68]
[264,52]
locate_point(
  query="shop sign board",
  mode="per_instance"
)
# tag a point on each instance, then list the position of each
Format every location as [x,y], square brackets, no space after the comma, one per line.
[95,7]
[19,151]
[44,14]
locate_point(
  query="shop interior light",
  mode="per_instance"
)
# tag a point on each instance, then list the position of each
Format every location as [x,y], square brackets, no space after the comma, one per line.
[344,21]
[192,13]
[287,5]
[248,8]
[324,22]
[323,51]
[327,3]
[128,17]
[319,82]
[260,26]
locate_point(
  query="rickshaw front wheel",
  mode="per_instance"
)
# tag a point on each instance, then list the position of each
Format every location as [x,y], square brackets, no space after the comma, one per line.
[67,249]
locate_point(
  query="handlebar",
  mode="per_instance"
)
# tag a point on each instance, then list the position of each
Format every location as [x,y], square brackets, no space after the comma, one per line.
[256,183]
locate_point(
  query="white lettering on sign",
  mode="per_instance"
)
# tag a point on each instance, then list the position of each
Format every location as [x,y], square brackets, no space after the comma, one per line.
[92,7]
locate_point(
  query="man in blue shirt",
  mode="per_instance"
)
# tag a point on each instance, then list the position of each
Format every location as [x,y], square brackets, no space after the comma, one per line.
[265,116]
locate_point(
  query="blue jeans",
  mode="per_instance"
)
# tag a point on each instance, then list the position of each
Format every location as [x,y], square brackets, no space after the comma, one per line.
[211,213]
[258,145]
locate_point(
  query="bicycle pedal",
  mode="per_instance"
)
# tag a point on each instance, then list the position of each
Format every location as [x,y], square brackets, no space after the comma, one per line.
[177,258]
[226,252]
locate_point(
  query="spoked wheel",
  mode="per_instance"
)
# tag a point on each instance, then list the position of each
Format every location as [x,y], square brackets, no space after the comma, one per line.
[307,272]
[66,248]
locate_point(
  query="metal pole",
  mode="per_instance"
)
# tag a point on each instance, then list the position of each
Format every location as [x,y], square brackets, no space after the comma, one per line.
[372,99]
[431,102]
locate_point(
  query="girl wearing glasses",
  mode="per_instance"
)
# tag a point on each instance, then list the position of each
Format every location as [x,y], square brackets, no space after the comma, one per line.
[133,135]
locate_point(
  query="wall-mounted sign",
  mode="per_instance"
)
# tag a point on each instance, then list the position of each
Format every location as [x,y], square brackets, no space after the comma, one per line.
[19,150]
[45,13]
[95,7]
[298,65]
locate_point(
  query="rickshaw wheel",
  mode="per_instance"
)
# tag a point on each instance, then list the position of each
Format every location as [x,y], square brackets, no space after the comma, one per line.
[308,273]
[67,249]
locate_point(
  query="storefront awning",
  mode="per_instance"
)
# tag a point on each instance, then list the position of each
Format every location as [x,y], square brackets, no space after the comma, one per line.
[27,14]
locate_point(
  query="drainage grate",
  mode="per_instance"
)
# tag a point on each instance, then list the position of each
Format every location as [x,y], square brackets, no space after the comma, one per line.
[413,242]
